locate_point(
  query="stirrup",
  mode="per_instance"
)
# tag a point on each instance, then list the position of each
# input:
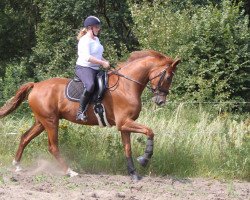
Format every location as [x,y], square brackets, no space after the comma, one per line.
[81,116]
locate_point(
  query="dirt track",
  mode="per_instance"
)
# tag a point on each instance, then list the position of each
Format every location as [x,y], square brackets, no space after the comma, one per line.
[44,183]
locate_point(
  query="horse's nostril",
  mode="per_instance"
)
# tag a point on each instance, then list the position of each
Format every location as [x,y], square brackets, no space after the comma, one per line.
[161,102]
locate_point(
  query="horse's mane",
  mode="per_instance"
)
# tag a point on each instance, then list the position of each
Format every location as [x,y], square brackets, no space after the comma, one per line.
[141,54]
[144,53]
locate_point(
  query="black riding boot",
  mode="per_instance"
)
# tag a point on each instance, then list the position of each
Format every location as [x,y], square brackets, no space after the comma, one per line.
[84,100]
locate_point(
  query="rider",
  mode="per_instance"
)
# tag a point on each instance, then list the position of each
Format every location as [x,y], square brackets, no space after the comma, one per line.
[89,61]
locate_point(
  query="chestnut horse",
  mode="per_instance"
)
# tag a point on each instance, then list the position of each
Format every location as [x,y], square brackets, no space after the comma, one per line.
[122,103]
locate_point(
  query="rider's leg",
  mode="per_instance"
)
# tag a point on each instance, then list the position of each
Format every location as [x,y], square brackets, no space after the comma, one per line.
[87,76]
[84,100]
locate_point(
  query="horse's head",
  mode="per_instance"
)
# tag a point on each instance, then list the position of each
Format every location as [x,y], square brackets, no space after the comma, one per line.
[158,68]
[160,80]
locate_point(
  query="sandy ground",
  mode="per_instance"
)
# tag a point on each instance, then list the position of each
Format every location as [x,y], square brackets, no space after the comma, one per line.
[46,182]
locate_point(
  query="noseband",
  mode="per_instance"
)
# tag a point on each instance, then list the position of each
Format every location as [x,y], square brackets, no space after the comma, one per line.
[157,90]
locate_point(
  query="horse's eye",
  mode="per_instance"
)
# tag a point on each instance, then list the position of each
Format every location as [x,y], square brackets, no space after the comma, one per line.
[168,79]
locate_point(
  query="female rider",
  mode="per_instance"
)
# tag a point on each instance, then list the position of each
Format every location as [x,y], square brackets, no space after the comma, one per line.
[89,61]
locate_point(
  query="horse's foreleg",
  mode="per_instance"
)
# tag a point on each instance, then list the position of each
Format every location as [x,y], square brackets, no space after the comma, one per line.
[143,160]
[132,126]
[34,131]
[52,129]
[128,154]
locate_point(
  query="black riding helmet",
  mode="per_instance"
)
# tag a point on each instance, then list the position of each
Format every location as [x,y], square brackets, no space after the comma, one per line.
[91,21]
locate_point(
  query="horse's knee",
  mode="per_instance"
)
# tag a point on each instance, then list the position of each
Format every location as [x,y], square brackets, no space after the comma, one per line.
[127,149]
[150,133]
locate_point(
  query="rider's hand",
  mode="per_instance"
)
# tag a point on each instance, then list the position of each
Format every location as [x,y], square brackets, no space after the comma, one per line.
[105,64]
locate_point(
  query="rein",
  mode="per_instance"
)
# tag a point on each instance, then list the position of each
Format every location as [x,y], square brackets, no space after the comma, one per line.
[157,90]
[126,77]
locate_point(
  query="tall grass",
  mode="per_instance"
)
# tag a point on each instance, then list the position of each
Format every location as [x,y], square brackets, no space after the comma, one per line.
[190,141]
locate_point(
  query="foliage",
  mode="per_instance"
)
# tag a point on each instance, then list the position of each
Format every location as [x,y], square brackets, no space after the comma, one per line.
[1,90]
[211,37]
[17,30]
[16,74]
[190,141]
[213,43]
[55,52]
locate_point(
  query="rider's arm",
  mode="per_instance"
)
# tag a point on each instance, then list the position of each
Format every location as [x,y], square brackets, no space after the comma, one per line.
[94,60]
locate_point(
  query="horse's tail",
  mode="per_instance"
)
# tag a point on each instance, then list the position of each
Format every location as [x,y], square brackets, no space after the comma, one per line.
[13,103]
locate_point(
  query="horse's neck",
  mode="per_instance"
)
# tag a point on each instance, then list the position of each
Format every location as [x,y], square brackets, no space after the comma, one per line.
[137,77]
[138,71]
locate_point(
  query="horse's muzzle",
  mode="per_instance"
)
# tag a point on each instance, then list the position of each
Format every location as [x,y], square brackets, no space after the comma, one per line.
[159,100]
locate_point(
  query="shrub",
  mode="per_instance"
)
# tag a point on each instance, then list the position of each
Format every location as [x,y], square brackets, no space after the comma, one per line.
[212,41]
[15,75]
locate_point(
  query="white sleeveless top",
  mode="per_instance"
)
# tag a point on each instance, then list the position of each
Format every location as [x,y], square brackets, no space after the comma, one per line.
[89,47]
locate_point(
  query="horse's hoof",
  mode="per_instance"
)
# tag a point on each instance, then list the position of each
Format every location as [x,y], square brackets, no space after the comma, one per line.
[18,168]
[143,161]
[17,165]
[135,177]
[71,173]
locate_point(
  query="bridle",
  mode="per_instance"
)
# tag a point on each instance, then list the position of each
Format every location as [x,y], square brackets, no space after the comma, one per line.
[157,90]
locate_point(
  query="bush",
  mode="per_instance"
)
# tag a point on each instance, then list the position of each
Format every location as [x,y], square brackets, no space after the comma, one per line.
[190,141]
[16,74]
[56,51]
[212,41]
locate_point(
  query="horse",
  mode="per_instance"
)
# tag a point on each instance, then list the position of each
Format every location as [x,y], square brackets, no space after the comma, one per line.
[122,102]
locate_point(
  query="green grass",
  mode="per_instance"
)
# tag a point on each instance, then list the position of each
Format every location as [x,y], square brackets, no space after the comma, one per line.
[190,141]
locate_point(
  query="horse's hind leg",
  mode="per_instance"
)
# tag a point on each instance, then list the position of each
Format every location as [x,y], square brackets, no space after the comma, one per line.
[34,131]
[51,127]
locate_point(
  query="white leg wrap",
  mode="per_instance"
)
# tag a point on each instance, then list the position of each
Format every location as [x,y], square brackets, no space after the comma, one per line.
[17,165]
[14,162]
[71,173]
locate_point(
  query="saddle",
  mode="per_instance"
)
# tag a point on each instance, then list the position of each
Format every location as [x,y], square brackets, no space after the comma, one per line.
[74,90]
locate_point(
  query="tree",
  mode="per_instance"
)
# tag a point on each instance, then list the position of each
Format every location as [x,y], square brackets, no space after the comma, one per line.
[55,52]
[213,42]
[18,20]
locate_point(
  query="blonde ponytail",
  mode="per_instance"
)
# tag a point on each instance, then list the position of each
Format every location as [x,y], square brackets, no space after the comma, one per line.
[81,33]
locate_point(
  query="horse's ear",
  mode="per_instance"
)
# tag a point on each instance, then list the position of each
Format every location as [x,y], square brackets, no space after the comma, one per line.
[175,63]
